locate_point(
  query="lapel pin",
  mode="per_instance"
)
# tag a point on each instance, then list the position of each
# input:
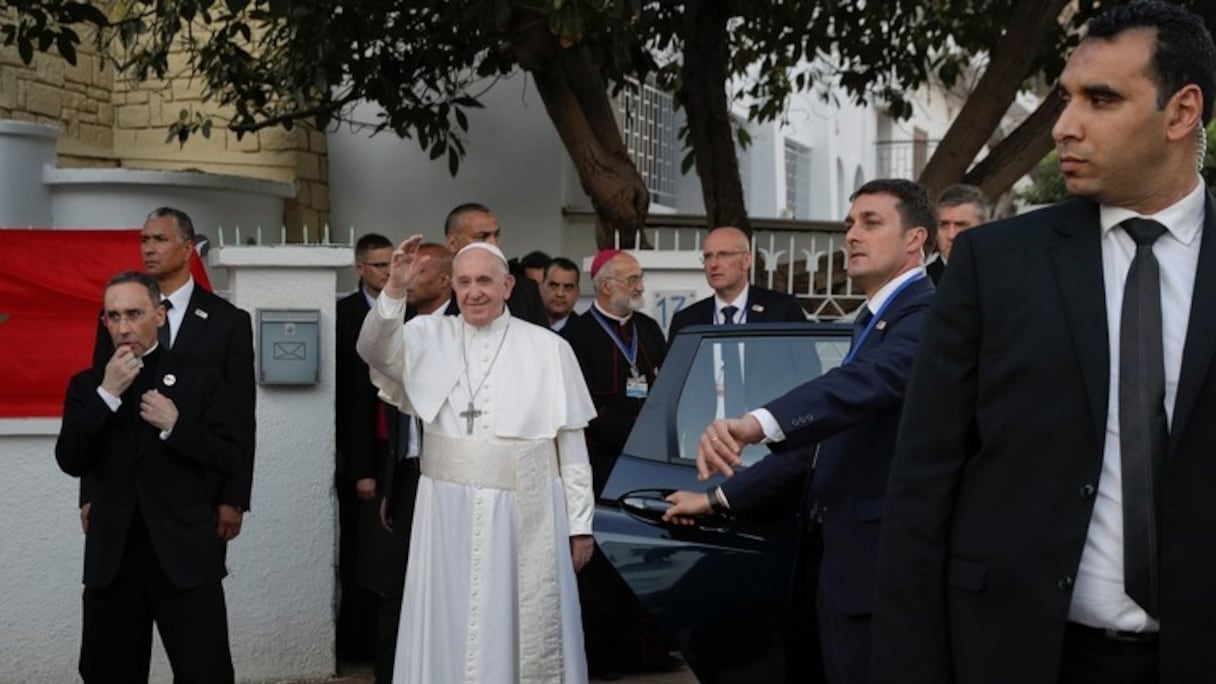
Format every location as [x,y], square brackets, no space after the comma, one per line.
[201,314]
[758,308]
[881,325]
[170,380]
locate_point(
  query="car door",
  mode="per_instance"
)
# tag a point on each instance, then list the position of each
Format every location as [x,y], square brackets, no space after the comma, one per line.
[721,588]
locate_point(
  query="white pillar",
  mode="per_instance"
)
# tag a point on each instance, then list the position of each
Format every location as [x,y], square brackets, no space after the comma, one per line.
[281,589]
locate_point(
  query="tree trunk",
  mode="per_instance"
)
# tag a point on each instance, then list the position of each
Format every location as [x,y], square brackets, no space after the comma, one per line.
[577,101]
[1017,154]
[704,75]
[993,94]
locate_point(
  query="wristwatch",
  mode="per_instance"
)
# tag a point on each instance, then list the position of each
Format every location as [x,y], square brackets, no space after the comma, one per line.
[717,502]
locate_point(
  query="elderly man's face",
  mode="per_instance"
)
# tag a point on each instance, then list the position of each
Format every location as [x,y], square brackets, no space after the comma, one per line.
[131,317]
[626,287]
[482,286]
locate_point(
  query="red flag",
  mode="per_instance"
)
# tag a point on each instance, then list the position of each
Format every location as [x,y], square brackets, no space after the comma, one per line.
[50,296]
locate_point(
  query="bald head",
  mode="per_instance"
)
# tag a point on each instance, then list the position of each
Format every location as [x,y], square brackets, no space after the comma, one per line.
[727,257]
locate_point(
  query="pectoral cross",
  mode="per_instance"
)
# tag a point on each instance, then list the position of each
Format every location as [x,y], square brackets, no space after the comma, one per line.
[470,414]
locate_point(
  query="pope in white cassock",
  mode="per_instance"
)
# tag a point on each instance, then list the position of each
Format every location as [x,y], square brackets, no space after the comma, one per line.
[503,514]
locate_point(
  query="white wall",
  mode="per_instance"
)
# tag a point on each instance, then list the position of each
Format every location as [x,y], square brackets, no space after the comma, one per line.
[280,592]
[515,165]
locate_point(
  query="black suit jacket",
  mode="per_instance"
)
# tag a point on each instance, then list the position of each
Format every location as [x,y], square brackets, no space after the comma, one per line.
[175,484]
[853,412]
[356,399]
[936,268]
[1000,454]
[605,371]
[216,334]
[763,306]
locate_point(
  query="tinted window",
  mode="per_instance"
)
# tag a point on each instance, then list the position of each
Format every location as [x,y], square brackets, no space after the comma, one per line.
[730,377]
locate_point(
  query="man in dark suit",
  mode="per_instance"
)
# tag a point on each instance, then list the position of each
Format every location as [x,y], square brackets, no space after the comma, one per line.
[960,208]
[157,437]
[203,329]
[474,222]
[1050,508]
[852,411]
[727,256]
[362,424]
[619,349]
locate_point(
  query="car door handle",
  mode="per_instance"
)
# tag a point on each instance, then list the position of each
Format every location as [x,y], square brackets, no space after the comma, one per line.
[651,504]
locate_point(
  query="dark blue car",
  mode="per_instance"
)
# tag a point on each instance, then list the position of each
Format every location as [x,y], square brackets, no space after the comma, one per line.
[722,588]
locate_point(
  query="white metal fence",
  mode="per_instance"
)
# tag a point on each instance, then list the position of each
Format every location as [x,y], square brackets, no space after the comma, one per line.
[803,258]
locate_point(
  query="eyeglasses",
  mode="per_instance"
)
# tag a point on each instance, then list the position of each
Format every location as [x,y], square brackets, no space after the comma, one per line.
[719,256]
[632,280]
[381,265]
[130,316]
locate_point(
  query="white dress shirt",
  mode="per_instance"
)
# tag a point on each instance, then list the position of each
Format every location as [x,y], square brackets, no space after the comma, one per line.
[1098,597]
[739,302]
[180,299]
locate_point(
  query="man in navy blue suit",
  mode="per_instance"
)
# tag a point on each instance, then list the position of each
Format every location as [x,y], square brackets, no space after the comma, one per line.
[852,411]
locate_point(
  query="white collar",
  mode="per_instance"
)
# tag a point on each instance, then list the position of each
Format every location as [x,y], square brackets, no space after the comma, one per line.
[442,309]
[496,326]
[180,298]
[614,317]
[1183,219]
[739,302]
[875,303]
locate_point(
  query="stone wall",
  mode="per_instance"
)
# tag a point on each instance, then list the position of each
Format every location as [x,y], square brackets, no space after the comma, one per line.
[107,120]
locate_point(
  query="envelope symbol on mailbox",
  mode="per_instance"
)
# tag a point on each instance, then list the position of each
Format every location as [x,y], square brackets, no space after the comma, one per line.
[288,351]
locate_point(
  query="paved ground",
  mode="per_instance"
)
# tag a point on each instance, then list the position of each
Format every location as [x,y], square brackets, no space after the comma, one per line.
[362,675]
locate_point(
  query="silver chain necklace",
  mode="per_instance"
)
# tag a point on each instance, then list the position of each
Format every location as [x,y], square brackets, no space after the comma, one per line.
[471,414]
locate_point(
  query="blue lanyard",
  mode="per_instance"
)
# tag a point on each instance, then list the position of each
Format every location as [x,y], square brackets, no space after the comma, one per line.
[878,317]
[631,354]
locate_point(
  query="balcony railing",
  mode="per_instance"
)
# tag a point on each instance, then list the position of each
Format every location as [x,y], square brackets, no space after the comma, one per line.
[904,158]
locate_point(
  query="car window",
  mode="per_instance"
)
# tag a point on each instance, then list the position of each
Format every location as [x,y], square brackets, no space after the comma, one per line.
[732,376]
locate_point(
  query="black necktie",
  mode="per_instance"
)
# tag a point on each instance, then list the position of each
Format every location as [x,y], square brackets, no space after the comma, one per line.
[163,333]
[859,324]
[1143,428]
[734,403]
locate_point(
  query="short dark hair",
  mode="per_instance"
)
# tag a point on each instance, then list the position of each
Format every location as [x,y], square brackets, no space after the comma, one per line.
[185,227]
[961,193]
[455,215]
[913,204]
[564,264]
[535,259]
[369,242]
[138,277]
[1183,52]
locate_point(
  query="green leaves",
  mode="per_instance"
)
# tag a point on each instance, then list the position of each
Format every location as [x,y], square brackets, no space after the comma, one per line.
[37,25]
[187,125]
